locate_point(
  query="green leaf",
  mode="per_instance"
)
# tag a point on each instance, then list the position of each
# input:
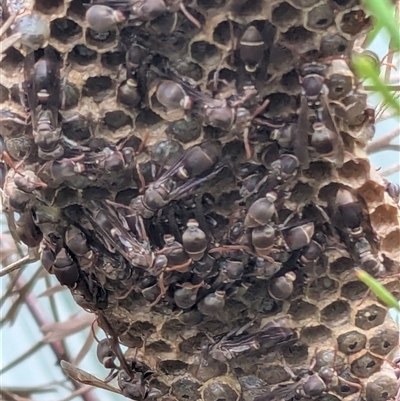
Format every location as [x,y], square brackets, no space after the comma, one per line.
[378,289]
[366,69]
[384,13]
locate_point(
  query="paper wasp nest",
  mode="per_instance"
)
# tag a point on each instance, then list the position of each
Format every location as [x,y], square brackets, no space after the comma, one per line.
[195,172]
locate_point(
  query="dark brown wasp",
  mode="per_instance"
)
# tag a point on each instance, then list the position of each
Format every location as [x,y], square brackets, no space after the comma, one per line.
[110,160]
[77,243]
[194,240]
[393,190]
[240,342]
[136,387]
[212,304]
[314,98]
[115,235]
[263,239]
[172,96]
[136,55]
[27,231]
[251,48]
[308,384]
[68,170]
[11,123]
[261,211]
[42,88]
[105,354]
[282,287]
[229,115]
[314,249]
[21,190]
[180,179]
[185,296]
[298,237]
[350,212]
[176,257]
[61,265]
[112,12]
[128,93]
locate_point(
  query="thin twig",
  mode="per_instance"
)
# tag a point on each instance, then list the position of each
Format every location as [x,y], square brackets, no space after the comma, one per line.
[391,170]
[391,146]
[23,357]
[41,320]
[17,265]
[53,305]
[382,142]
[79,392]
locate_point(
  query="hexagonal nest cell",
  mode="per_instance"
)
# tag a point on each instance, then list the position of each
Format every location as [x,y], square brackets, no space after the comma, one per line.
[177,177]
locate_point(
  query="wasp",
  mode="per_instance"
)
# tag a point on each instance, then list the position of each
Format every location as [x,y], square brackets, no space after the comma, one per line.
[42,89]
[314,99]
[239,341]
[104,15]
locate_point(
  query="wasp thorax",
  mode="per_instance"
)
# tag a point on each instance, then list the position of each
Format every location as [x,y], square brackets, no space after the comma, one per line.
[155,198]
[134,387]
[212,304]
[172,96]
[314,386]
[76,241]
[204,267]
[149,10]
[261,211]
[264,269]
[282,287]
[194,240]
[312,86]
[252,48]
[286,166]
[28,182]
[102,18]
[233,268]
[299,237]
[284,136]
[135,56]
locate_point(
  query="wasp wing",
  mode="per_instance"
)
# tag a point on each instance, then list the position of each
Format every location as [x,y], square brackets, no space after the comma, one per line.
[84,377]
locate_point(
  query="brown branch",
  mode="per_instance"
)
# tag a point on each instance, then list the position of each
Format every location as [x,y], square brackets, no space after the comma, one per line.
[384,141]
[57,347]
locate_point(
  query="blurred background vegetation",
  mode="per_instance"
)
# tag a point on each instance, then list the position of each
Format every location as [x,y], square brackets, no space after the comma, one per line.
[41,324]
